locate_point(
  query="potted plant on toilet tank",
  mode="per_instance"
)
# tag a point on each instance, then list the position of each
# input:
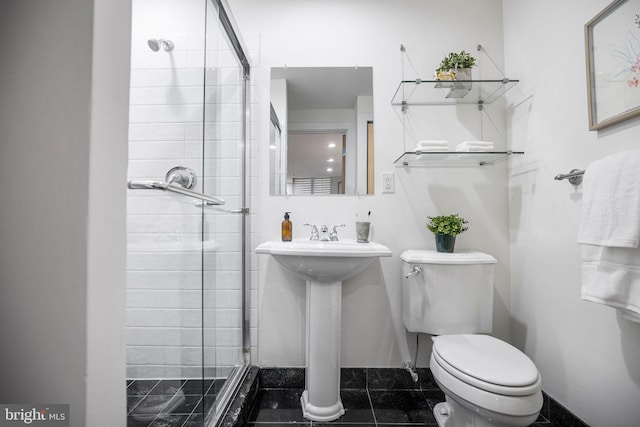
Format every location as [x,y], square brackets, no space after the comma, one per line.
[446,228]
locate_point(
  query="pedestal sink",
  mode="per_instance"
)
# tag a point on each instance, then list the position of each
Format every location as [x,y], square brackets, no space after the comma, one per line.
[324,265]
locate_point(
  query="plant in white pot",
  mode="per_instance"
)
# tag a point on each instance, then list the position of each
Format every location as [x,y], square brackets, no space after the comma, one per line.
[446,228]
[455,66]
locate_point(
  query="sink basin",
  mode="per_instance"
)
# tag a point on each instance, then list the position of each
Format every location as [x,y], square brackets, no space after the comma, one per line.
[324,265]
[324,261]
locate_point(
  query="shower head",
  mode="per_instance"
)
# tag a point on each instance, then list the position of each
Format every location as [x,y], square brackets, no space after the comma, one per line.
[154,44]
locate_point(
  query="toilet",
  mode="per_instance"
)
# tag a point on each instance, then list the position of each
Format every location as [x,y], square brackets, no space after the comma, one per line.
[486,381]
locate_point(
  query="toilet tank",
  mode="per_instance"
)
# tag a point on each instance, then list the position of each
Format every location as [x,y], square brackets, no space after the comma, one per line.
[447,293]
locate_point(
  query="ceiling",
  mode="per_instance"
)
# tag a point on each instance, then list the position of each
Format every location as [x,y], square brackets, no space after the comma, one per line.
[309,154]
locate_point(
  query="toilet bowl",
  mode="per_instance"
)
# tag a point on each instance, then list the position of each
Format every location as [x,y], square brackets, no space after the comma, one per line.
[486,381]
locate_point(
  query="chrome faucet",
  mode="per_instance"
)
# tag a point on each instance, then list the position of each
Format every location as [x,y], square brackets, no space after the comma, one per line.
[323,234]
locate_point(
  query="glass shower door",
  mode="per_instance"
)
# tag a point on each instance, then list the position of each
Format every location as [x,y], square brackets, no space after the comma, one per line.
[224,164]
[187,326]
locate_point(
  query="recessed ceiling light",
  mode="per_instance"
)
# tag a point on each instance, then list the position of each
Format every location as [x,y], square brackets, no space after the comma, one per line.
[331,145]
[329,169]
[330,160]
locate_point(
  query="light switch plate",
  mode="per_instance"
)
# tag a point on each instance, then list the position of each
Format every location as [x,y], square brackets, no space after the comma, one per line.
[388,184]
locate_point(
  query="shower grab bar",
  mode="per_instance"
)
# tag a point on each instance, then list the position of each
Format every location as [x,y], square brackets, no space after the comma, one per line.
[165,186]
[574,176]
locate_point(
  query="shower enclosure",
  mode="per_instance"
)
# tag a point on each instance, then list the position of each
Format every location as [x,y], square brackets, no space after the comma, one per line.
[187,214]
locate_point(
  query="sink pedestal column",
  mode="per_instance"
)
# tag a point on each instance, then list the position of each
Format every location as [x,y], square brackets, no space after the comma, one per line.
[321,397]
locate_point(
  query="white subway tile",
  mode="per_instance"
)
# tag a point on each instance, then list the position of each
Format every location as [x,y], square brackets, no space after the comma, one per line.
[144,316]
[145,372]
[183,356]
[145,336]
[147,150]
[167,280]
[157,132]
[141,355]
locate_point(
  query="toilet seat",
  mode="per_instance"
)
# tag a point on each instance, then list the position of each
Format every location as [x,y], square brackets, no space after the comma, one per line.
[486,363]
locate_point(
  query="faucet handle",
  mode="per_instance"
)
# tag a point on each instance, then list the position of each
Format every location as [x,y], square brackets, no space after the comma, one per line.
[314,231]
[334,231]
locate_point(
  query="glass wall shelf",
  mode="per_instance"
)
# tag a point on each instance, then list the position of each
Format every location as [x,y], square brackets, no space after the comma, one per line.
[453,159]
[447,92]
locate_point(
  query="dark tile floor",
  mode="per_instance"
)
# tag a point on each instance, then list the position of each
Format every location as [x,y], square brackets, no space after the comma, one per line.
[190,411]
[271,398]
[363,407]
[371,397]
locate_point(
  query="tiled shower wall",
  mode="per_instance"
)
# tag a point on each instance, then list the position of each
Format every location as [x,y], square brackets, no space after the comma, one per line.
[183,304]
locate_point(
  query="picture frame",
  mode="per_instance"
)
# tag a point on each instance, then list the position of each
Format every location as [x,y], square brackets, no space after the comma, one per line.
[612,42]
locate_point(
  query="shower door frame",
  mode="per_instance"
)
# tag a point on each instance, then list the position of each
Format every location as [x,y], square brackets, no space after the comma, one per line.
[237,375]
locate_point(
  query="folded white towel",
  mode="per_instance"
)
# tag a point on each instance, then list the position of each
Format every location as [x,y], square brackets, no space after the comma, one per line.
[478,143]
[611,201]
[426,143]
[468,146]
[611,276]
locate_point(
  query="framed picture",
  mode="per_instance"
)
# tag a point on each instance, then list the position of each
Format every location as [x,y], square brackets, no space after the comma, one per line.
[613,64]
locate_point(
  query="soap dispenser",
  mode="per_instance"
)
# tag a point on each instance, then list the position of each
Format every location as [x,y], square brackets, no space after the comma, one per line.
[287,228]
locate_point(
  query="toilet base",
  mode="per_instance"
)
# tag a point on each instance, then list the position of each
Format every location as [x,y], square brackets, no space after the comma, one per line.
[455,414]
[443,413]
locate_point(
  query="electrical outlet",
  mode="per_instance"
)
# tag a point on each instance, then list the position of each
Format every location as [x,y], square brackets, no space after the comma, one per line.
[388,186]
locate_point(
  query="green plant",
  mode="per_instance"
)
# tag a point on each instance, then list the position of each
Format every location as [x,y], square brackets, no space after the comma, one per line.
[457,60]
[447,224]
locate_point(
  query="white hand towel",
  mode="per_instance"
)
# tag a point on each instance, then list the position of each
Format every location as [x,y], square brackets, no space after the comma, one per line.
[611,201]
[426,143]
[611,276]
[474,146]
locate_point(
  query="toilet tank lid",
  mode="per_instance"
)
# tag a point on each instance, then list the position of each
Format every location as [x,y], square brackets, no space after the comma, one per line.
[433,257]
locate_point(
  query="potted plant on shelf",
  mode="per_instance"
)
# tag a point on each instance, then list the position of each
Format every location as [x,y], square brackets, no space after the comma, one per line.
[446,228]
[455,66]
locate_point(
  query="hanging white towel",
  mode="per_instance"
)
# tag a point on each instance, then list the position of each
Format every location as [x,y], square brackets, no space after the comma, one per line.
[611,201]
[610,233]
[611,276]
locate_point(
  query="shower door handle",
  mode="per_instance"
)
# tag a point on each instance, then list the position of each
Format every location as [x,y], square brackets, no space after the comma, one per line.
[167,186]
[207,204]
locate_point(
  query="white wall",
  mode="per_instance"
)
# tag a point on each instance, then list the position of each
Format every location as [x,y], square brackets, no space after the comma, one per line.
[63,97]
[589,357]
[337,33]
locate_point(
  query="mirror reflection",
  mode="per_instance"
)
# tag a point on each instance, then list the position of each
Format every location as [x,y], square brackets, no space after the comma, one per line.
[321,130]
